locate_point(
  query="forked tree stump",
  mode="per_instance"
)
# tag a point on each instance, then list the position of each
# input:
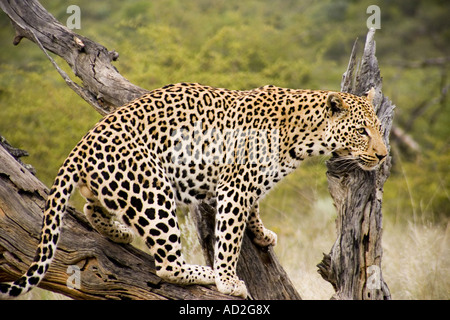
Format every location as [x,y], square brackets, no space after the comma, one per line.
[353,265]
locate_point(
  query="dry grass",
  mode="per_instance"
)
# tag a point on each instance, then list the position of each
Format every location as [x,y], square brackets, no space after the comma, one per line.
[301,242]
[416,258]
[416,261]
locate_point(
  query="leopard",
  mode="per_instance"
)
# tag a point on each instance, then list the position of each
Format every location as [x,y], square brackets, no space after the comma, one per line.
[187,143]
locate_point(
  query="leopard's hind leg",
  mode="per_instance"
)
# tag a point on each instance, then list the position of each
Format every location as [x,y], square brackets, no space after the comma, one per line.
[104,222]
[156,222]
[144,201]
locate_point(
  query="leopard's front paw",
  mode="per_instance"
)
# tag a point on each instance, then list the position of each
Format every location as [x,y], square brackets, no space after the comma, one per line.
[266,238]
[233,286]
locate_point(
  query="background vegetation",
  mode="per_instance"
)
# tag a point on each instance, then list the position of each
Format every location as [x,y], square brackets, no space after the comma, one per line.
[245,44]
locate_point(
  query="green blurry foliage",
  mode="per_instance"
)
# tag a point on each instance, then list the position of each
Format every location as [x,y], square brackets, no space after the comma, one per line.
[242,45]
[39,114]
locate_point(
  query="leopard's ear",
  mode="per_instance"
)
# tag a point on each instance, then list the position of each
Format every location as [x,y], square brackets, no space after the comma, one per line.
[336,105]
[370,95]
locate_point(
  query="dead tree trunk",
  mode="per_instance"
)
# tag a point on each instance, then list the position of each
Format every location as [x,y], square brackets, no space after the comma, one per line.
[353,266]
[108,270]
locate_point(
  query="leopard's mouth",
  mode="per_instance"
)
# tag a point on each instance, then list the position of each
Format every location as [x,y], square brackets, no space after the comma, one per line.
[348,161]
[367,166]
[369,163]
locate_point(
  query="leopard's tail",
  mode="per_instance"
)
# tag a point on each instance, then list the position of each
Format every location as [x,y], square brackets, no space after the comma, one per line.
[55,208]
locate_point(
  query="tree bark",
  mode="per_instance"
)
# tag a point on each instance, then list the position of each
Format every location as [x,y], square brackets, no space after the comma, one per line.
[353,265]
[109,270]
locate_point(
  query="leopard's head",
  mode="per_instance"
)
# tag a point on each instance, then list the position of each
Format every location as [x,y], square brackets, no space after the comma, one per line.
[354,131]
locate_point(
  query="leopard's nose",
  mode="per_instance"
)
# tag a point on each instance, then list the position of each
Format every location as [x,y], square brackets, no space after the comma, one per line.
[380,156]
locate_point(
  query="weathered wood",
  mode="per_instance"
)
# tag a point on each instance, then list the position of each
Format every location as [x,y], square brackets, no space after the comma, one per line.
[353,266]
[105,89]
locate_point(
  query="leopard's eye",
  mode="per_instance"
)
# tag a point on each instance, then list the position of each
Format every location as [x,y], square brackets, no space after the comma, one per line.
[362,131]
